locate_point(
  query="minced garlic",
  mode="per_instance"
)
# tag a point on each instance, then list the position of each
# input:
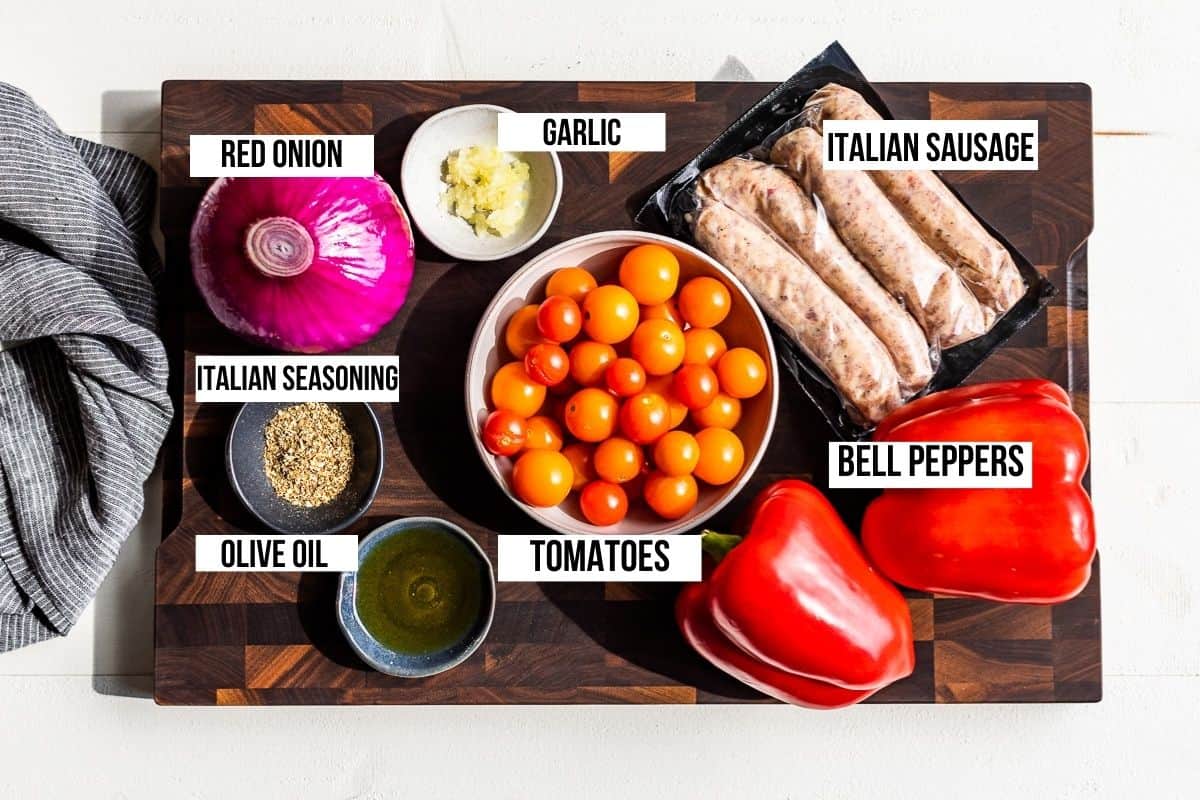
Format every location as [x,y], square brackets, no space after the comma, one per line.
[487,187]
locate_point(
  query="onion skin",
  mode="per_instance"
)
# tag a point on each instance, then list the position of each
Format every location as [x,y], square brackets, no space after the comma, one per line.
[361,260]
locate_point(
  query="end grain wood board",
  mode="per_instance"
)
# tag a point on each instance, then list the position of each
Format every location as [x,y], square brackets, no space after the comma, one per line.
[257,639]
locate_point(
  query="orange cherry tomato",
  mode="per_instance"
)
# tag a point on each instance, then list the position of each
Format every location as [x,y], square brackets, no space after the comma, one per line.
[721,456]
[580,456]
[603,503]
[742,373]
[618,460]
[572,282]
[589,360]
[591,415]
[542,477]
[651,273]
[704,302]
[663,385]
[521,333]
[610,313]
[703,346]
[547,364]
[645,417]
[503,433]
[670,496]
[695,385]
[543,433]
[658,346]
[625,377]
[676,453]
[513,390]
[559,319]
[723,412]
[668,311]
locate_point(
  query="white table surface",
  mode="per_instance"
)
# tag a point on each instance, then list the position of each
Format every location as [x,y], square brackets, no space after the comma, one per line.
[74,720]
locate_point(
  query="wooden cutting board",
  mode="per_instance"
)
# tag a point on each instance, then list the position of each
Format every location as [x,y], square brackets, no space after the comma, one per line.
[257,639]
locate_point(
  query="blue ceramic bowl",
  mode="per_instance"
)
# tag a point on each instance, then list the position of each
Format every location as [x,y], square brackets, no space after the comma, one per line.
[402,664]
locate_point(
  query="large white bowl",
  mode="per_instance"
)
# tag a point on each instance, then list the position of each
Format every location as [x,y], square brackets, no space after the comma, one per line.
[421,182]
[600,254]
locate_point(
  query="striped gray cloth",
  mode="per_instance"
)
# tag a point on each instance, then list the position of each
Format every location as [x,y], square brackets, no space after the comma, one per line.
[83,377]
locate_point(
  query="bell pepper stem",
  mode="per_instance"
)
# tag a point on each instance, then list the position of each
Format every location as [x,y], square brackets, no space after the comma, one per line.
[718,545]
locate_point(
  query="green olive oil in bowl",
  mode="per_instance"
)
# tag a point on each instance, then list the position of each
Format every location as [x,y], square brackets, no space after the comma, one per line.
[422,599]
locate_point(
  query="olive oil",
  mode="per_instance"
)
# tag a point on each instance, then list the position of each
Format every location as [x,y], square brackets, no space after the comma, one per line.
[420,592]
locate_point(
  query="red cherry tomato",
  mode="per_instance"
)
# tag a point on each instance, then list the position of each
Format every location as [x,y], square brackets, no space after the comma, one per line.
[603,503]
[645,417]
[547,364]
[695,385]
[559,318]
[625,377]
[503,433]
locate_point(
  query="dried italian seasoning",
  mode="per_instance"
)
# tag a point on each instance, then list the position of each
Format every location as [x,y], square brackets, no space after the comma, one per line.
[309,454]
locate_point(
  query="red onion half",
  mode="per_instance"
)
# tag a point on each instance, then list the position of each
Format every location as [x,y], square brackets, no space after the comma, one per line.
[307,265]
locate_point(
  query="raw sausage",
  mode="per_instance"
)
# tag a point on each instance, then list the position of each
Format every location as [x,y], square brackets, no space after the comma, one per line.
[934,213]
[768,195]
[881,238]
[824,327]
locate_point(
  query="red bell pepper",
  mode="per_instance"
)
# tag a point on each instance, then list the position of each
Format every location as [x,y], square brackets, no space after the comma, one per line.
[794,609]
[1021,545]
[695,621]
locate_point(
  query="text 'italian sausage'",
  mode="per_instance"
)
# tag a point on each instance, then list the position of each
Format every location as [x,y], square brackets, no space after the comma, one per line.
[933,211]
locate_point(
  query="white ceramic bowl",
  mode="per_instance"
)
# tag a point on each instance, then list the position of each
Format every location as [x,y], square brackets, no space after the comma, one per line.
[421,182]
[600,254]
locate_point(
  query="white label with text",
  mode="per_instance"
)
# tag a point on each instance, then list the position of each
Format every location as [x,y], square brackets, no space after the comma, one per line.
[930,465]
[297,379]
[276,553]
[574,133]
[961,144]
[293,156]
[625,557]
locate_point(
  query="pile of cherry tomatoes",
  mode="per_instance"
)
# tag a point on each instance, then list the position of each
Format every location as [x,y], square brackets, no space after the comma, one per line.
[622,390]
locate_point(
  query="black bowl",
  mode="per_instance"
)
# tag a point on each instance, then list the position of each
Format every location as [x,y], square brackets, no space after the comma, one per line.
[244,465]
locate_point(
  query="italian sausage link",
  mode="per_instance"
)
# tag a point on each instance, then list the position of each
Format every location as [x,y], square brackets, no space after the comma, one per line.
[933,211]
[768,195]
[881,238]
[824,327]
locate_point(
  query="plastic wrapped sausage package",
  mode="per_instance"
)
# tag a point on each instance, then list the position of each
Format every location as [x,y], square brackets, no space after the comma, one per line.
[881,285]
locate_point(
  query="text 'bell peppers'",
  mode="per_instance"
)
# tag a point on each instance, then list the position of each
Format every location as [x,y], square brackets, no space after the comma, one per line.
[1019,545]
[794,609]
